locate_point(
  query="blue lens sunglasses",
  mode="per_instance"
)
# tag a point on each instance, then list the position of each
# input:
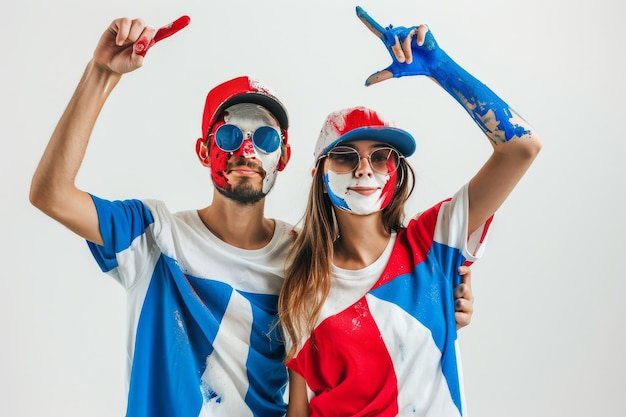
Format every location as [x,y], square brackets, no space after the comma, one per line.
[229,138]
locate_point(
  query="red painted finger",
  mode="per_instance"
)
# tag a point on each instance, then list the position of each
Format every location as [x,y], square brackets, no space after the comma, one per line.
[164,32]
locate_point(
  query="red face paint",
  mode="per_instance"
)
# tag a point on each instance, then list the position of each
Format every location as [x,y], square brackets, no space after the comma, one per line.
[218,160]
[246,149]
[387,194]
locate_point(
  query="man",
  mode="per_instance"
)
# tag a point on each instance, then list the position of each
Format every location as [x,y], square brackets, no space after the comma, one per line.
[202,284]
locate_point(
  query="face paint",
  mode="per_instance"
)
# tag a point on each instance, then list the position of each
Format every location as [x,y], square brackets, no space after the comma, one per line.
[236,173]
[377,191]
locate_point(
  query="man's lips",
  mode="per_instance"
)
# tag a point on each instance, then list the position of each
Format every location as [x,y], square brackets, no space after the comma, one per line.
[245,168]
[244,171]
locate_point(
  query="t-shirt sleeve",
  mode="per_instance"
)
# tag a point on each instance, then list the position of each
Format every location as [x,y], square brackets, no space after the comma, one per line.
[123,226]
[442,231]
[452,225]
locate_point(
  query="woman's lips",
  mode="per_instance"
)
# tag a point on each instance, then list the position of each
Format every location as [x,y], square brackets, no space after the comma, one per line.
[364,190]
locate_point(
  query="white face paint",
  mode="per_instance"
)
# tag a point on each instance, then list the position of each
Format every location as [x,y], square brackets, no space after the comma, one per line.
[249,117]
[362,191]
[357,195]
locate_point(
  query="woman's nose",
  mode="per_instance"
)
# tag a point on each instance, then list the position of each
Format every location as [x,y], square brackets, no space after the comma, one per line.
[364,167]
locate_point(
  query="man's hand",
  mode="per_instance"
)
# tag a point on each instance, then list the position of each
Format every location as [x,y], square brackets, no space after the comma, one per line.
[464,299]
[125,42]
[412,49]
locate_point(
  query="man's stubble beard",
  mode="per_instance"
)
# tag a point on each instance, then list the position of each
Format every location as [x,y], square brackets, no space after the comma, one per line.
[243,193]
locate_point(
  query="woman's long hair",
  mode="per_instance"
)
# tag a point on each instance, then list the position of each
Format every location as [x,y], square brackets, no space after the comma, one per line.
[308,274]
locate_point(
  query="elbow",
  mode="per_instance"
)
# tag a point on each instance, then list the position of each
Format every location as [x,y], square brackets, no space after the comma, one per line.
[521,150]
[534,145]
[529,145]
[44,197]
[38,196]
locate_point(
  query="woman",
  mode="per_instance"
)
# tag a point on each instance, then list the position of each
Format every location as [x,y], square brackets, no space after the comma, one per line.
[367,305]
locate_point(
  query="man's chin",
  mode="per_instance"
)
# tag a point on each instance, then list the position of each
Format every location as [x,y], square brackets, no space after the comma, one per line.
[244,195]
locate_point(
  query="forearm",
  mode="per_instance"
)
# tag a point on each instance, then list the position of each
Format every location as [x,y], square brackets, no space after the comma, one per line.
[298,399]
[57,170]
[515,143]
[494,116]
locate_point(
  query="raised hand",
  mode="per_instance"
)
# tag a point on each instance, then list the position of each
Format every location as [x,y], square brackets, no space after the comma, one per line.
[413,50]
[123,45]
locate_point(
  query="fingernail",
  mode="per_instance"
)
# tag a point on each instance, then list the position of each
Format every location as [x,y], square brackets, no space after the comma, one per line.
[141,45]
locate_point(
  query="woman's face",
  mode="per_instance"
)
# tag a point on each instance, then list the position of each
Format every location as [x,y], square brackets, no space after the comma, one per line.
[363,190]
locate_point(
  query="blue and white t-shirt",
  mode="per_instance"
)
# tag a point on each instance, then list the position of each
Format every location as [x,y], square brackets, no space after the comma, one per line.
[203,339]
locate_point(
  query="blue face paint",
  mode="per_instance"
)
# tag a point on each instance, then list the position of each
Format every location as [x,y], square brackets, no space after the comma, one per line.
[336,201]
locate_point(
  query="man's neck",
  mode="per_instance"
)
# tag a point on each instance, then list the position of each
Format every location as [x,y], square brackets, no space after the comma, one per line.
[239,225]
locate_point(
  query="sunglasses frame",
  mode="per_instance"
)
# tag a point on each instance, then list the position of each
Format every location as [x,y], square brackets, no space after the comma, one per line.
[350,151]
[248,135]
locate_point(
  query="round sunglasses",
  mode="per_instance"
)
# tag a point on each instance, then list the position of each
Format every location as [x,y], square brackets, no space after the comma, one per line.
[344,160]
[229,138]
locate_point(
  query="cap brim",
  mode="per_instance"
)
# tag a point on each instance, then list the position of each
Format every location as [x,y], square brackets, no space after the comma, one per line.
[400,139]
[270,104]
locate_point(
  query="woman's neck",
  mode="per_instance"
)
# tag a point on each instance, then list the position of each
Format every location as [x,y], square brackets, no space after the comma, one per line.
[361,241]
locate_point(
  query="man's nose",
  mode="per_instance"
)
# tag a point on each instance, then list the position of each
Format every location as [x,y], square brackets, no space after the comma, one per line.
[246,150]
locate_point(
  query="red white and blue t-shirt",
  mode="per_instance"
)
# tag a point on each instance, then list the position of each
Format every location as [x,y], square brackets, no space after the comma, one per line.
[385,342]
[202,337]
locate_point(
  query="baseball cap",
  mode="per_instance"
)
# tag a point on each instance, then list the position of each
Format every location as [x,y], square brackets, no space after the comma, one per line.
[361,123]
[241,90]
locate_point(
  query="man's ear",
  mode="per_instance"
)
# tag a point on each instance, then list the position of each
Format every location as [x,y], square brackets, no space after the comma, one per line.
[285,155]
[203,152]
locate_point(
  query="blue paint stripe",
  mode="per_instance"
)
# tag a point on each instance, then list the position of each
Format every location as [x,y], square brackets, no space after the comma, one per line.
[267,374]
[174,338]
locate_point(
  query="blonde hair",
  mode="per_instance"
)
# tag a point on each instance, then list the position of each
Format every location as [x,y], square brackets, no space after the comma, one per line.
[308,274]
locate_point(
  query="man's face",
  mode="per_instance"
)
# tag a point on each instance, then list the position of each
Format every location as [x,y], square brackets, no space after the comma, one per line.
[248,173]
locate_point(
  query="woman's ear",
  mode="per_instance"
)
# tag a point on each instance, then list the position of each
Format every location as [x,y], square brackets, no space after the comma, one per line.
[203,152]
[319,165]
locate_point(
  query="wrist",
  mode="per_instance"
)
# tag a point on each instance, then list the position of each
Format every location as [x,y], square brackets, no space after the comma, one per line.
[443,67]
[101,77]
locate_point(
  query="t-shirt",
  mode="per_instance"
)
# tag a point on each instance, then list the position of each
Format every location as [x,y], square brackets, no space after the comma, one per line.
[387,347]
[202,326]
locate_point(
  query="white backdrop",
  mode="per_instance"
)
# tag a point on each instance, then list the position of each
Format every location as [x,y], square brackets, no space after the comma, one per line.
[546,338]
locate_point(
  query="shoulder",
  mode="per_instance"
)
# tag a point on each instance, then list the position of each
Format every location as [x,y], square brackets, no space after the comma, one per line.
[459,201]
[285,229]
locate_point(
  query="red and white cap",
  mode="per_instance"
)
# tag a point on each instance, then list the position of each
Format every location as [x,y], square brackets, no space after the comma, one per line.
[241,90]
[361,123]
